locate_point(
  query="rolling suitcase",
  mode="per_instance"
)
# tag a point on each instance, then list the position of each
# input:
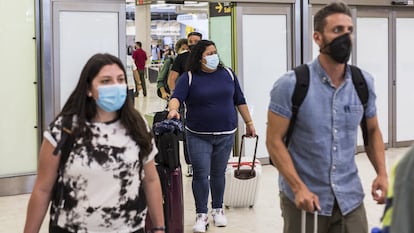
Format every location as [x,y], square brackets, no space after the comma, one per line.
[242,179]
[169,170]
[172,195]
[153,73]
[303,222]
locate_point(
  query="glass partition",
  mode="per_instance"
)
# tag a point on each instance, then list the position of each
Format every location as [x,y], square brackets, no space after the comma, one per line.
[78,43]
[264,55]
[220,33]
[404,78]
[372,56]
[80,30]
[18,95]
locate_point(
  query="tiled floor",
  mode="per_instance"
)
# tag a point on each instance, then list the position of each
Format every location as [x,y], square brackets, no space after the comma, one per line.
[263,217]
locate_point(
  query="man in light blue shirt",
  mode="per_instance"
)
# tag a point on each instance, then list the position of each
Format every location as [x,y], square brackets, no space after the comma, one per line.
[317,169]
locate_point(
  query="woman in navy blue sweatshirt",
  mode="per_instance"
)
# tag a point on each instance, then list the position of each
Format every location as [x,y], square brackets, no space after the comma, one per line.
[211,94]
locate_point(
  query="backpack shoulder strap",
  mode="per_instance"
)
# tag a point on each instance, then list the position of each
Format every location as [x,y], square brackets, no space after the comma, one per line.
[66,142]
[360,85]
[64,147]
[230,72]
[362,90]
[299,94]
[190,78]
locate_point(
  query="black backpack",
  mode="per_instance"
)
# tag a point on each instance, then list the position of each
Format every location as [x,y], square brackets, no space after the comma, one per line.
[301,89]
[167,134]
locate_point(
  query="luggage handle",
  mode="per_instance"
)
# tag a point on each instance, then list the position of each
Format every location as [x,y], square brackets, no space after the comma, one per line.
[234,164]
[246,174]
[303,222]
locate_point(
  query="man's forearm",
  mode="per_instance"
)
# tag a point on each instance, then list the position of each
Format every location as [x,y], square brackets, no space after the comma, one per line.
[376,154]
[284,164]
[172,78]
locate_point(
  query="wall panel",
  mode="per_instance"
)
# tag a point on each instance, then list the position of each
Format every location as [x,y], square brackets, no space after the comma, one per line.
[264,55]
[18,93]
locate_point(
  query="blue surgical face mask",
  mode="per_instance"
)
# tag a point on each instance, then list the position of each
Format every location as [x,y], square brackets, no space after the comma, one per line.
[111,97]
[212,61]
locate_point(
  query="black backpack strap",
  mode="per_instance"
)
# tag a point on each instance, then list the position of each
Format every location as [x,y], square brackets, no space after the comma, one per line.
[66,141]
[64,146]
[362,90]
[299,94]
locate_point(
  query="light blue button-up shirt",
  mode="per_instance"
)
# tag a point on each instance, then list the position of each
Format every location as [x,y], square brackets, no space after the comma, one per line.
[323,142]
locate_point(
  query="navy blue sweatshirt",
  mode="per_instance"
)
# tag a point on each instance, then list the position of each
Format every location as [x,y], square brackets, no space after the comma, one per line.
[210,101]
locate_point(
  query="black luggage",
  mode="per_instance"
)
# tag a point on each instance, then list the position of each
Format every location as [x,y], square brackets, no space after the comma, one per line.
[168,150]
[167,135]
[169,170]
[153,74]
[162,115]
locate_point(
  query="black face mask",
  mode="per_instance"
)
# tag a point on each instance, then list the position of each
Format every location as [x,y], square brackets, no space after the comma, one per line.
[339,49]
[190,47]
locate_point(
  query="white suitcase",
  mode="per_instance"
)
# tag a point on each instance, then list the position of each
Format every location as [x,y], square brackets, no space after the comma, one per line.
[242,179]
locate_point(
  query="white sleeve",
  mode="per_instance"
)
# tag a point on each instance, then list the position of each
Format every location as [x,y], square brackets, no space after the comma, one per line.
[153,153]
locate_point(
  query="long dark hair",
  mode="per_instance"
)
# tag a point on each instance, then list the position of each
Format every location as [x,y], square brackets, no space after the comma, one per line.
[84,107]
[194,60]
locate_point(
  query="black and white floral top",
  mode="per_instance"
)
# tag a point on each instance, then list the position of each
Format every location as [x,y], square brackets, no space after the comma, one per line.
[102,189]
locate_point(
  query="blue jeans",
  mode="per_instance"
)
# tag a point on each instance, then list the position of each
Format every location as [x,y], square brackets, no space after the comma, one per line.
[209,155]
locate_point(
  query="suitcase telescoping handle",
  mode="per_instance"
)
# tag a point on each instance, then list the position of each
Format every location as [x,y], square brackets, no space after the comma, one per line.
[246,174]
[315,222]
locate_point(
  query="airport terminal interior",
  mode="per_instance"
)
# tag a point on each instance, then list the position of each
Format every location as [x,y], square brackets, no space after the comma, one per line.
[51,63]
[264,216]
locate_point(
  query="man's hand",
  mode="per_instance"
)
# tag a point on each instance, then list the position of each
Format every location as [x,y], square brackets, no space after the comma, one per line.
[165,95]
[379,189]
[306,200]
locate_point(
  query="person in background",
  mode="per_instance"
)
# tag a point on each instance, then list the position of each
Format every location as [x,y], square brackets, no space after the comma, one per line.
[131,79]
[403,202]
[178,68]
[168,52]
[399,209]
[179,65]
[211,97]
[156,54]
[162,87]
[109,177]
[140,59]
[317,169]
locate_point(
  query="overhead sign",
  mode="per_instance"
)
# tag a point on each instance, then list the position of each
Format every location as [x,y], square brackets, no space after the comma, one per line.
[219,9]
[142,2]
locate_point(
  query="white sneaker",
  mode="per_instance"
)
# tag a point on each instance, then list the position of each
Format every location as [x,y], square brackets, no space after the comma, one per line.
[201,224]
[218,217]
[189,170]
